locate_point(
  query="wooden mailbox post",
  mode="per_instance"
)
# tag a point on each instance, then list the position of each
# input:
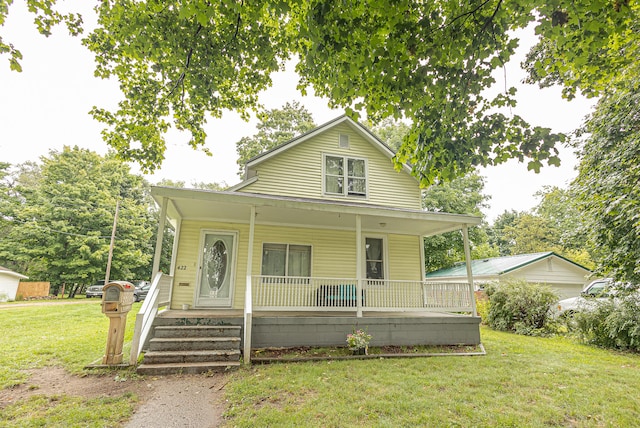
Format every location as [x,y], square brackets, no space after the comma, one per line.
[117,298]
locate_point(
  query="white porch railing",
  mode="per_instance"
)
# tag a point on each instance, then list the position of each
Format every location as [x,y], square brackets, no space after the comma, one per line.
[159,295]
[271,293]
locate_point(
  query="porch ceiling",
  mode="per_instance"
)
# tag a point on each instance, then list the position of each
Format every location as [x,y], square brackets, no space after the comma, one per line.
[298,212]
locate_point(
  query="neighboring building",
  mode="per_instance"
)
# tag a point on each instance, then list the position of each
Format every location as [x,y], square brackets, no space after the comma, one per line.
[566,277]
[9,281]
[324,234]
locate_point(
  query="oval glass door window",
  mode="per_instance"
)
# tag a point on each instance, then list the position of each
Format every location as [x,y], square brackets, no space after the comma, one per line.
[217,264]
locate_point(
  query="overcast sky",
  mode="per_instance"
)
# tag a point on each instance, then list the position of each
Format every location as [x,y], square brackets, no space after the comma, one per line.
[46,107]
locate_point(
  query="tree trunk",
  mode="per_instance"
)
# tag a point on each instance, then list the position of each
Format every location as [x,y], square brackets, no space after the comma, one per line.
[73,290]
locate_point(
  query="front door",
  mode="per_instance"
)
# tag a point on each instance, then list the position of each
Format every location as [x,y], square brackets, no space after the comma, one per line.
[217,269]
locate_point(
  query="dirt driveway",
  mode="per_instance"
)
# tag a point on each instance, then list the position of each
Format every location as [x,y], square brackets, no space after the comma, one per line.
[166,401]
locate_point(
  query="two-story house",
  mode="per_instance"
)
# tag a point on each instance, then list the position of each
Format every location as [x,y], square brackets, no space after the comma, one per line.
[323,235]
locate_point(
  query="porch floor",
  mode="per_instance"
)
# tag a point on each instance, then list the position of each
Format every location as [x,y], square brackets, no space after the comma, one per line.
[238,313]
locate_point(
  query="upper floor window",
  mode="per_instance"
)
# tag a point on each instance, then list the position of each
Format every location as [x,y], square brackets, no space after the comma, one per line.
[345,176]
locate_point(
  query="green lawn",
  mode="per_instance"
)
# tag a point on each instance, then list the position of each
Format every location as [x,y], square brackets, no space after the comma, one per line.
[522,381]
[70,336]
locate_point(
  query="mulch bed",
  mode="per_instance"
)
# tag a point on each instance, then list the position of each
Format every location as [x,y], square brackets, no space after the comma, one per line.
[307,353]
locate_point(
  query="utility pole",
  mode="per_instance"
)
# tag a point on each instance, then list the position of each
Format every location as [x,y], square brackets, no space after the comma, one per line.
[113,239]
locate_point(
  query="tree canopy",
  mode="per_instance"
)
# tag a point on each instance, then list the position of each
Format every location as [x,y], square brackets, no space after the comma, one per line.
[61,216]
[276,127]
[555,224]
[607,185]
[180,62]
[391,132]
[463,195]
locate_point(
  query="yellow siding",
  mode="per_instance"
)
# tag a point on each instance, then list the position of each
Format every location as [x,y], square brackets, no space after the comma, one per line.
[404,257]
[297,171]
[333,255]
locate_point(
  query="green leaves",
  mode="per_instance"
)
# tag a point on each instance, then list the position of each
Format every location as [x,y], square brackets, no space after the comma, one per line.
[46,17]
[61,215]
[193,59]
[584,49]
[460,196]
[609,173]
[276,126]
[181,62]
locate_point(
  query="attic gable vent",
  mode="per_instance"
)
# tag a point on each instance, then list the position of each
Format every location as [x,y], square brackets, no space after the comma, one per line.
[344,141]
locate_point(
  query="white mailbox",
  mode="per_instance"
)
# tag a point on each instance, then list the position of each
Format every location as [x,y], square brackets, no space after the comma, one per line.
[117,297]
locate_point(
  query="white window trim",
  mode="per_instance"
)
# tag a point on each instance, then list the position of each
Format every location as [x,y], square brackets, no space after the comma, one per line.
[385,255]
[286,259]
[345,177]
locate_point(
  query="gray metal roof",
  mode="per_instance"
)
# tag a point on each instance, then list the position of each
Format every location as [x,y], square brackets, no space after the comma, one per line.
[497,265]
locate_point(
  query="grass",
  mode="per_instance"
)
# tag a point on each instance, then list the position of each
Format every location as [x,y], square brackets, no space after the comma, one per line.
[522,381]
[65,411]
[69,336]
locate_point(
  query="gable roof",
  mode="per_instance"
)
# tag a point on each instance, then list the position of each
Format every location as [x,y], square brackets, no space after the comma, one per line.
[363,131]
[497,266]
[4,270]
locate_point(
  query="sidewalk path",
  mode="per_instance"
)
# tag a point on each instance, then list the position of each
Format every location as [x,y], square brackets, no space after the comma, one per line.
[182,401]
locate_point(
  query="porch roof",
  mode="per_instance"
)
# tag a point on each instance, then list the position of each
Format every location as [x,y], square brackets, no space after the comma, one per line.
[195,204]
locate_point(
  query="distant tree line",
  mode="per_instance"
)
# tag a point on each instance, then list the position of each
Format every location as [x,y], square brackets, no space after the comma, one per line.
[56,219]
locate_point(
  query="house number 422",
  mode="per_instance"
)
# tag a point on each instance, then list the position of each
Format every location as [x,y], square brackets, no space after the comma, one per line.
[182,267]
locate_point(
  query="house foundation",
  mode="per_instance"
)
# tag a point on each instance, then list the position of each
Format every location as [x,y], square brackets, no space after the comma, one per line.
[385,330]
[330,329]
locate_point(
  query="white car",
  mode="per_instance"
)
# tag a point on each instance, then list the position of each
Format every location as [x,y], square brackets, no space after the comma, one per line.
[598,290]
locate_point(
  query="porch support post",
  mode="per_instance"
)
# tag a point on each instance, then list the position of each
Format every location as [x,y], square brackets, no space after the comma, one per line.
[467,257]
[423,272]
[423,268]
[248,300]
[174,251]
[159,238]
[359,263]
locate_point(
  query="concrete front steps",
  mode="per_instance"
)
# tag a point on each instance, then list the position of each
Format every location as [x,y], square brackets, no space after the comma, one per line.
[191,349]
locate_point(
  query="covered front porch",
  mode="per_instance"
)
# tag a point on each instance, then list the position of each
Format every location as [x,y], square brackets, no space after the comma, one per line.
[322,311]
[399,308]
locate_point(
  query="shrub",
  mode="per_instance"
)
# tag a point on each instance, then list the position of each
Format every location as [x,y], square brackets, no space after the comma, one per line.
[482,305]
[520,307]
[613,323]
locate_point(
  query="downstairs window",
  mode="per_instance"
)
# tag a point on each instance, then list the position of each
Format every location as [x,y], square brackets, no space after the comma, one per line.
[286,260]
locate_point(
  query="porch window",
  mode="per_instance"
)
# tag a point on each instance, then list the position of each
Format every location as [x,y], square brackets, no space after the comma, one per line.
[286,260]
[345,176]
[374,248]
